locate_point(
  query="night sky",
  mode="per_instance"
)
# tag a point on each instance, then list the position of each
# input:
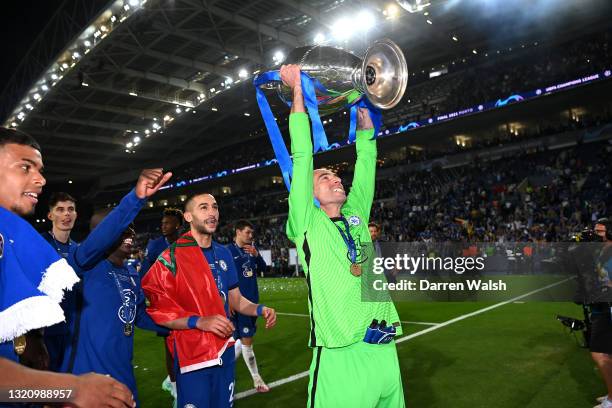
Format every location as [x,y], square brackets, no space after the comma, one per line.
[21,22]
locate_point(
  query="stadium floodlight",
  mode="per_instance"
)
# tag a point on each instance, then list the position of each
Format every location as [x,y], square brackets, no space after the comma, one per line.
[69,181]
[455,38]
[243,73]
[54,76]
[137,139]
[14,124]
[391,11]
[214,109]
[202,96]
[132,93]
[36,96]
[474,52]
[76,55]
[228,81]
[129,144]
[247,114]
[134,3]
[413,6]
[429,21]
[178,110]
[28,106]
[87,43]
[278,57]
[342,29]
[365,20]
[319,38]
[44,87]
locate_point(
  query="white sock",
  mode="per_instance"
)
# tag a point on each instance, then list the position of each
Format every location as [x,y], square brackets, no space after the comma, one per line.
[249,359]
[173,384]
[238,348]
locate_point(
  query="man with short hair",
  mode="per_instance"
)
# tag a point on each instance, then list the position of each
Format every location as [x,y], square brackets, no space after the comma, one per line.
[248,263]
[171,223]
[24,257]
[354,360]
[62,214]
[111,292]
[601,313]
[191,288]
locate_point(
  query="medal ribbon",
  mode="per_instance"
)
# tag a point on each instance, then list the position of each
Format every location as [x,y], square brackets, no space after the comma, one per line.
[216,274]
[120,290]
[348,240]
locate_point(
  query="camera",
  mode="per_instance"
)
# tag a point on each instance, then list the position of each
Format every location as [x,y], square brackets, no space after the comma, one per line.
[573,324]
[586,235]
[577,325]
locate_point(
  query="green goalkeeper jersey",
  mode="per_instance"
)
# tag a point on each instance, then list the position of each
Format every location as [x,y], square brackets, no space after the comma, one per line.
[338,315]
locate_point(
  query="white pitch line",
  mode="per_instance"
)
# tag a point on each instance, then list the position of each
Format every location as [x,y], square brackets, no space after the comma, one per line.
[477,312]
[403,321]
[437,326]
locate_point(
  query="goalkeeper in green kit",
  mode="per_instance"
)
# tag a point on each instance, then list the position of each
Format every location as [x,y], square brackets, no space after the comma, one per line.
[354,361]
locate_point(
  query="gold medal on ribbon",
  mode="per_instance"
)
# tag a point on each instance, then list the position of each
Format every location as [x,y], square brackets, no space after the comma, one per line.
[19,344]
[128,329]
[356,269]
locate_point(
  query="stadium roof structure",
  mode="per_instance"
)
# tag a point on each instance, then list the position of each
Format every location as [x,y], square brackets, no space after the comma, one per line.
[149,82]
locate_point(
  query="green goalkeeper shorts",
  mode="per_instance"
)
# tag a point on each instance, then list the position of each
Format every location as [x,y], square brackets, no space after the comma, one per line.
[361,375]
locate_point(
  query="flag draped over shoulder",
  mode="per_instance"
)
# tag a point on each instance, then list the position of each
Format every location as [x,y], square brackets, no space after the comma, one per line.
[180,284]
[33,278]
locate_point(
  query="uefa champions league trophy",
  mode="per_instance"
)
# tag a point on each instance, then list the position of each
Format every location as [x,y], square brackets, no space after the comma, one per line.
[334,79]
[381,75]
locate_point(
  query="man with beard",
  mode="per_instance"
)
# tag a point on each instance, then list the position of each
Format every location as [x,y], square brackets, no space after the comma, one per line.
[191,288]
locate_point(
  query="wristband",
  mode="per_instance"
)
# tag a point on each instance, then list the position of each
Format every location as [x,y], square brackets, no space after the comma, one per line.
[192,322]
[260,309]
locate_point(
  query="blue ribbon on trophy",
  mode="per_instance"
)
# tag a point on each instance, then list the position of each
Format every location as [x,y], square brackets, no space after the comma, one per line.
[332,80]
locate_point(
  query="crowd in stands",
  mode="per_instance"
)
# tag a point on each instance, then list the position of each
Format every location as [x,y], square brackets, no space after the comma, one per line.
[487,76]
[536,196]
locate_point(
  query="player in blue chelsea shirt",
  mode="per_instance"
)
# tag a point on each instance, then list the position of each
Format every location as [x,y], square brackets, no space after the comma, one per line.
[112,296]
[62,214]
[171,222]
[249,264]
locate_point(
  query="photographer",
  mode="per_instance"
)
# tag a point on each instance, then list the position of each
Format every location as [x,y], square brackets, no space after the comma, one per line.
[601,318]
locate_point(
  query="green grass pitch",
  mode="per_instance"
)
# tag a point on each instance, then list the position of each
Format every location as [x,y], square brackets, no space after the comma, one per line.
[515,355]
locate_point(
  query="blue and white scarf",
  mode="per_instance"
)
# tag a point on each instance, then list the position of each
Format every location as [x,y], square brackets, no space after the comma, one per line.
[33,278]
